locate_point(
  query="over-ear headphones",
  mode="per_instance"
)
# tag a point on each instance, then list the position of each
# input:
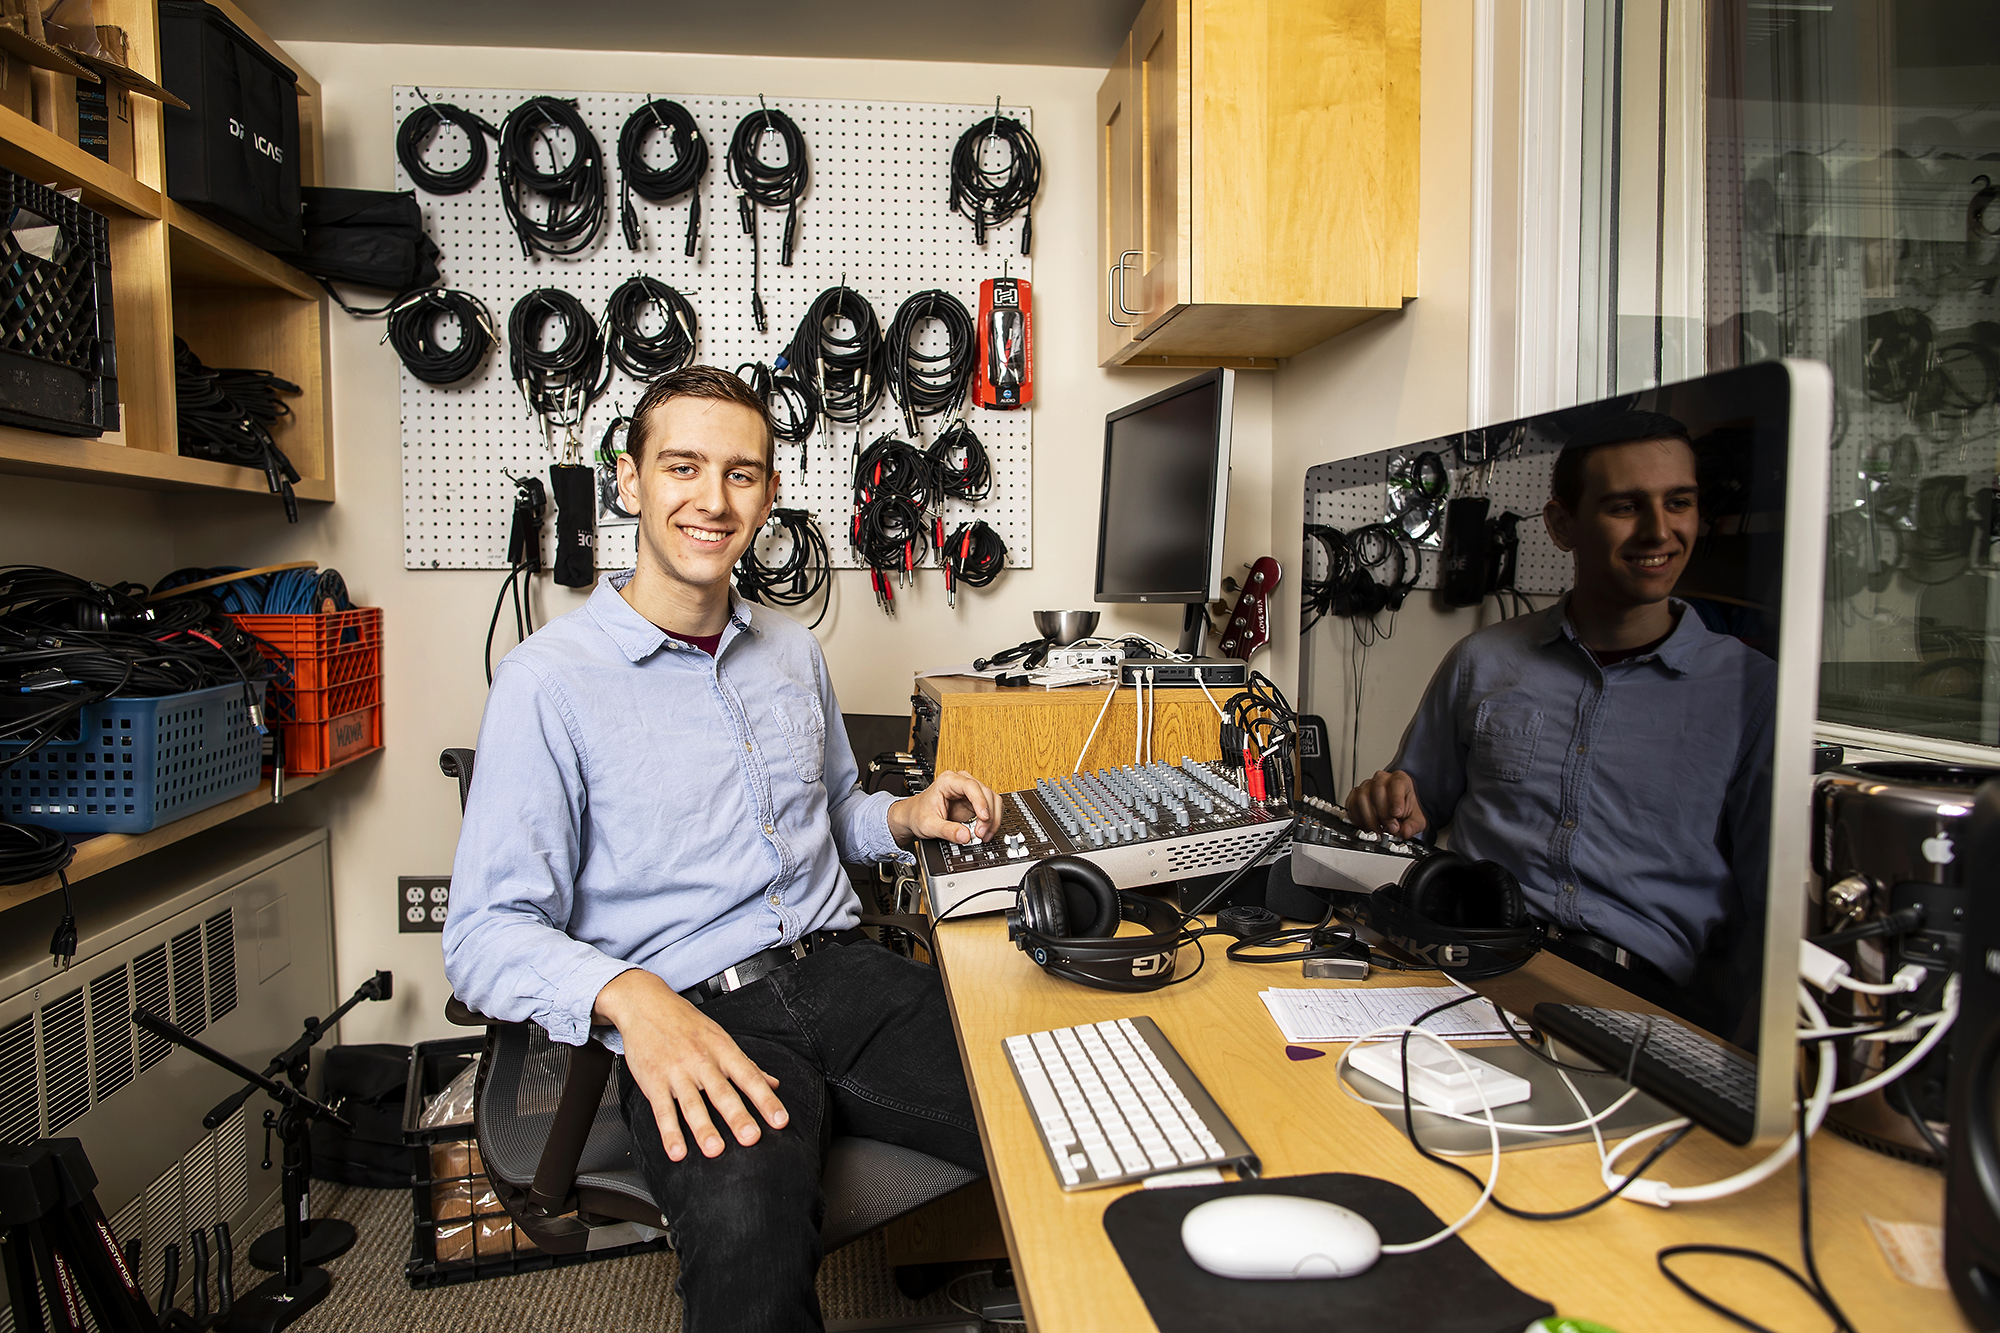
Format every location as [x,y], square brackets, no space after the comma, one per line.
[1066,917]
[1466,918]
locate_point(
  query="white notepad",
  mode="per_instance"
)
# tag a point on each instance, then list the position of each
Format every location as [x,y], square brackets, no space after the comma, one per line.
[1346,1013]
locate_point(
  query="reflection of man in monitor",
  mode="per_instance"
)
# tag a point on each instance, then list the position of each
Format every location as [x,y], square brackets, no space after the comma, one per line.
[1611,750]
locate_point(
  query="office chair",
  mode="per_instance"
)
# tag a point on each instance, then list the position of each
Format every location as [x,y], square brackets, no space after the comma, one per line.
[562,1163]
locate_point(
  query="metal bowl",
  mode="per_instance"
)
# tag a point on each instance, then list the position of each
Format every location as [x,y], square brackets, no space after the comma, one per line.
[1066,627]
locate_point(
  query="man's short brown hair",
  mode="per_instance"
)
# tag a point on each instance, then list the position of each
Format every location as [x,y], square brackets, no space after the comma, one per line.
[708,382]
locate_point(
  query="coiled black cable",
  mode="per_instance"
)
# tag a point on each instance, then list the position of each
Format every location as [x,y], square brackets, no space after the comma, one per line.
[413,329]
[890,533]
[759,184]
[922,384]
[804,573]
[573,190]
[791,400]
[414,135]
[850,371]
[973,555]
[559,384]
[226,415]
[891,466]
[647,356]
[970,480]
[991,198]
[661,184]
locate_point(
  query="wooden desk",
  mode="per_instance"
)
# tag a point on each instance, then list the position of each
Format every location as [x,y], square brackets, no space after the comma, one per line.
[1599,1266]
[1009,736]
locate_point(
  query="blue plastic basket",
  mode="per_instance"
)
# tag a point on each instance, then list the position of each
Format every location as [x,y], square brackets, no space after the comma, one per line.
[137,763]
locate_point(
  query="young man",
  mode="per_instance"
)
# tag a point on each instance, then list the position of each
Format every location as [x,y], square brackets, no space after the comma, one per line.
[655,830]
[1611,751]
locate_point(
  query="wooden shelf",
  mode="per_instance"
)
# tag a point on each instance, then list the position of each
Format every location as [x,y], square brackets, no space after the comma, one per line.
[204,254]
[96,855]
[45,157]
[106,462]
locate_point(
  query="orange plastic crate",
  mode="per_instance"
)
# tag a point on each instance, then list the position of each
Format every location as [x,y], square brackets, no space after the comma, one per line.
[326,683]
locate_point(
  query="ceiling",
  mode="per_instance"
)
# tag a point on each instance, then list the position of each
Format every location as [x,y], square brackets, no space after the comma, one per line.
[1083,33]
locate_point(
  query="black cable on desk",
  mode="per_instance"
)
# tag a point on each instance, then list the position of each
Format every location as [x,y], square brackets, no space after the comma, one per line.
[647,356]
[413,327]
[959,467]
[926,385]
[761,185]
[661,185]
[804,573]
[414,135]
[850,370]
[573,190]
[990,198]
[559,384]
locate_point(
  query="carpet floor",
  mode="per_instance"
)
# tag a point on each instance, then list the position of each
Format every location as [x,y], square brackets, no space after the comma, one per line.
[634,1294]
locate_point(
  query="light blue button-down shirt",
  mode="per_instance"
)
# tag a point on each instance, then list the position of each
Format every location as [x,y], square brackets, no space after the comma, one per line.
[637,803]
[1632,801]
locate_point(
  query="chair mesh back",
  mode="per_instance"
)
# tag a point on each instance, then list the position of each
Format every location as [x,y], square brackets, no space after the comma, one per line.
[869,1184]
[524,1082]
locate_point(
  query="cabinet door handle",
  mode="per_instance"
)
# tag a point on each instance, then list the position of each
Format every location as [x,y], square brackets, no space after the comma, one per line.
[1123,267]
[1111,303]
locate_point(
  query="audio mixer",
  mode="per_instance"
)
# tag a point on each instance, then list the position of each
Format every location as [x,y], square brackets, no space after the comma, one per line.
[1328,852]
[1145,825]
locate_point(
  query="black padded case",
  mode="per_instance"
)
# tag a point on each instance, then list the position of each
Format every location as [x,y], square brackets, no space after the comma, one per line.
[234,156]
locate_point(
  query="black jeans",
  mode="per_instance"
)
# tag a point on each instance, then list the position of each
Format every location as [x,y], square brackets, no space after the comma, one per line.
[861,1044]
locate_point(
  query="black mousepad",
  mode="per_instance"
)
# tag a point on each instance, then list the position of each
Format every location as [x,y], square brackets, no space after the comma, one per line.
[1445,1289]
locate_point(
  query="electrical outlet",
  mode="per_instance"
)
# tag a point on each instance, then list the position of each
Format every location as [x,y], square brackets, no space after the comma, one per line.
[421,903]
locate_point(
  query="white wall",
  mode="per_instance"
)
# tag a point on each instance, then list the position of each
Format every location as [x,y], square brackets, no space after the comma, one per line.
[395,814]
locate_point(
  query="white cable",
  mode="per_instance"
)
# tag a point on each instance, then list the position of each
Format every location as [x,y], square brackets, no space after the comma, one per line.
[1873,987]
[1492,1133]
[1907,1030]
[1915,1053]
[1211,698]
[1152,707]
[1138,713]
[1595,1118]
[1077,767]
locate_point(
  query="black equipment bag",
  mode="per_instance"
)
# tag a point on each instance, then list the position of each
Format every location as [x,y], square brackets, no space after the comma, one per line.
[365,1084]
[371,238]
[235,156]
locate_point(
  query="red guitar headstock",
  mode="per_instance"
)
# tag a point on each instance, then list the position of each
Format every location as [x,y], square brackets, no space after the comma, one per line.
[1249,626]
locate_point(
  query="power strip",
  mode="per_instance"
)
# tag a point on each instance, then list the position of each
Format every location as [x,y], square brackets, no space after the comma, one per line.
[1082,659]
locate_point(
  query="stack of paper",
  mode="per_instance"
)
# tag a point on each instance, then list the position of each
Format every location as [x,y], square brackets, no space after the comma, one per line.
[1345,1014]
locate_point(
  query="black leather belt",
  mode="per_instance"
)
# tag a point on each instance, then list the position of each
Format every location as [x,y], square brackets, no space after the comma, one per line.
[1605,951]
[760,965]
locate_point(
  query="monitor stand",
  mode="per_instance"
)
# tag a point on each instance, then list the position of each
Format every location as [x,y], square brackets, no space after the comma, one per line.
[1194,629]
[1549,1104]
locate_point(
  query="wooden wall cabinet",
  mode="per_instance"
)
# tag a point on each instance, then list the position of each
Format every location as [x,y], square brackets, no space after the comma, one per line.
[1257,178]
[173,271]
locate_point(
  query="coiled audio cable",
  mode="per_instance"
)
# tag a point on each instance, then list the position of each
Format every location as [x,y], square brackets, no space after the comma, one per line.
[891,536]
[573,189]
[804,573]
[420,127]
[413,328]
[647,356]
[760,185]
[890,466]
[926,385]
[973,555]
[991,198]
[561,383]
[661,185]
[791,400]
[848,369]
[970,480]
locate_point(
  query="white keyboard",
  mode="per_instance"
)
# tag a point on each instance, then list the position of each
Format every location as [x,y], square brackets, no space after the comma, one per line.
[1115,1102]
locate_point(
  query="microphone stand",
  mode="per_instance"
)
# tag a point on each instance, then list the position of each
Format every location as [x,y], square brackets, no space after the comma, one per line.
[280,1299]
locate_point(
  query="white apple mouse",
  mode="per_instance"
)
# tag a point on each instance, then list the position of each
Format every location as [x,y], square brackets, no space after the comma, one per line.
[1279,1236]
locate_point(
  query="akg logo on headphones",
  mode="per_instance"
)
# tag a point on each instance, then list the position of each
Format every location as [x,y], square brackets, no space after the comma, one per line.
[1152,965]
[1041,957]
[1437,955]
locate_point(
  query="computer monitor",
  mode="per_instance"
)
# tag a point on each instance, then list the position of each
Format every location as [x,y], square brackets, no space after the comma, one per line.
[1653,804]
[1166,490]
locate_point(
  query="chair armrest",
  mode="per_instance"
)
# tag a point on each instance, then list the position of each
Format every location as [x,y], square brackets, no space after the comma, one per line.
[569,1131]
[459,1014]
[918,926]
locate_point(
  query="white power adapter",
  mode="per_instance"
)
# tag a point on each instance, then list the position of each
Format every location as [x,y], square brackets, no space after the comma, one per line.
[1084,659]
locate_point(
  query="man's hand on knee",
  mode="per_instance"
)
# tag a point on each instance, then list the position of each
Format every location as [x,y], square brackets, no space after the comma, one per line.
[678,1055]
[956,807]
[1387,803]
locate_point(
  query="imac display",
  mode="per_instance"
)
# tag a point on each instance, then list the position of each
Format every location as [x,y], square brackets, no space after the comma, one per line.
[1584,648]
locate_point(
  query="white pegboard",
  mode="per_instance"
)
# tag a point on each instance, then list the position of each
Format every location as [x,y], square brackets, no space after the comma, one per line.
[875,214]
[1354,492]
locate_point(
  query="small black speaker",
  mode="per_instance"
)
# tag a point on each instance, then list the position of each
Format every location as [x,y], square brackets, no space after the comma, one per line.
[1972,1181]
